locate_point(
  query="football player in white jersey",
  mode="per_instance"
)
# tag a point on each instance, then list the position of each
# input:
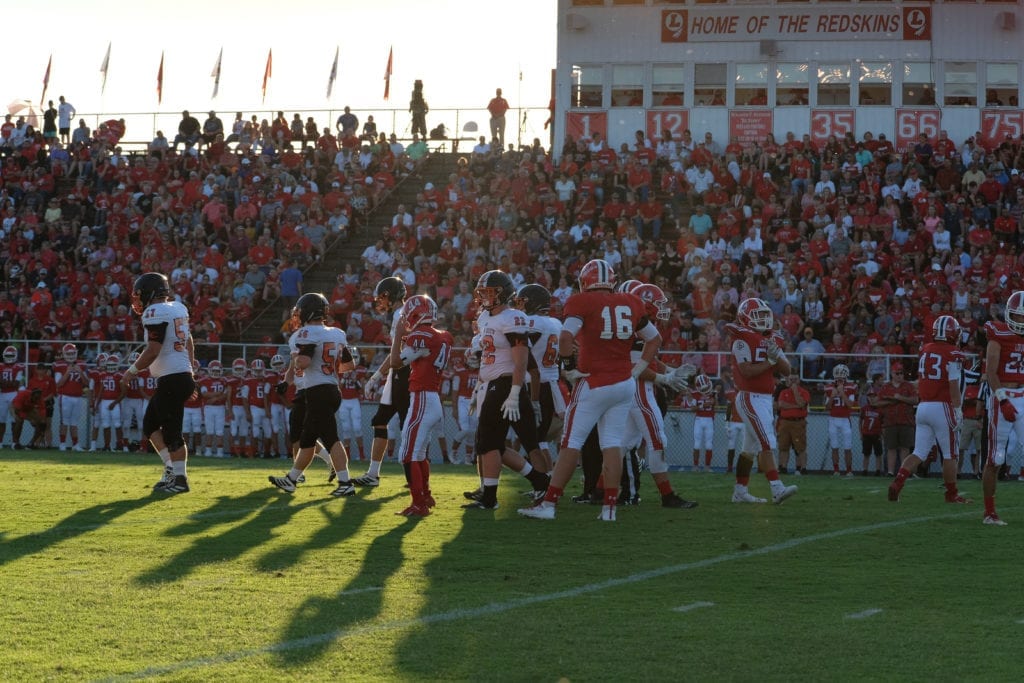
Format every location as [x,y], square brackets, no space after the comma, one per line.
[549,403]
[505,352]
[168,356]
[319,354]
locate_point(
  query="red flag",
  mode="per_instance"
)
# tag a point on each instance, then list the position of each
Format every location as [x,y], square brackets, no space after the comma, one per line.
[267,72]
[387,73]
[46,80]
[160,80]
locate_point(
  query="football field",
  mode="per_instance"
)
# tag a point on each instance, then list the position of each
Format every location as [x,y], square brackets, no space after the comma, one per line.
[236,580]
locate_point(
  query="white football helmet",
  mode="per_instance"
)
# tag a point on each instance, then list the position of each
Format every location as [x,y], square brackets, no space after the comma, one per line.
[278,362]
[755,314]
[69,352]
[215,368]
[10,354]
[703,384]
[841,372]
[1015,313]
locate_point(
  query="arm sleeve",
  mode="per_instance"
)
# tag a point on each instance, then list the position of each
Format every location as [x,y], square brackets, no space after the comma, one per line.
[306,349]
[572,325]
[155,333]
[646,331]
[517,338]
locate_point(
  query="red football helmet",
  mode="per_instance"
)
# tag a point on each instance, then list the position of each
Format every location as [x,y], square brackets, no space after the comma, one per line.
[69,352]
[458,363]
[755,314]
[655,301]
[628,286]
[597,274]
[419,310]
[703,384]
[10,354]
[257,367]
[946,328]
[215,368]
[1015,312]
[113,362]
[238,367]
[101,360]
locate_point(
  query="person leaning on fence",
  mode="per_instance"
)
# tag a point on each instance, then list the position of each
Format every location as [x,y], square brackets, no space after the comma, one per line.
[792,432]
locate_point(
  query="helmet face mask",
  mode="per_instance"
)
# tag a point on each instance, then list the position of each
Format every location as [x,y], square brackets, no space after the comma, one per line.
[388,292]
[419,310]
[69,352]
[533,299]
[755,314]
[215,368]
[147,287]
[1014,315]
[113,362]
[493,289]
[597,274]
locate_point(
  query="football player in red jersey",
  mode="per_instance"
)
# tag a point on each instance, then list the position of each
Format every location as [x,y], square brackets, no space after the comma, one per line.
[350,413]
[1005,374]
[702,402]
[733,422]
[871,431]
[465,378]
[214,391]
[258,396]
[841,397]
[12,377]
[602,322]
[72,387]
[938,413]
[756,355]
[107,406]
[238,409]
[974,412]
[426,350]
[133,403]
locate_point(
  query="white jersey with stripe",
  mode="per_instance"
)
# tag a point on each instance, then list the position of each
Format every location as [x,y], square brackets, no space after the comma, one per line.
[545,346]
[495,345]
[328,342]
[172,318]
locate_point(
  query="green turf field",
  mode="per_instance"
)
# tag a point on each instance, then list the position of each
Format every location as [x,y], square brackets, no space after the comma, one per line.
[238,581]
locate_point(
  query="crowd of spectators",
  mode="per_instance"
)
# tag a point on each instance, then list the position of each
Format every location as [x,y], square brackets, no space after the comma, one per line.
[232,225]
[856,246]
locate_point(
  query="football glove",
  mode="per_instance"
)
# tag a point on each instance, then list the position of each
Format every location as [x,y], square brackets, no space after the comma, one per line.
[510,408]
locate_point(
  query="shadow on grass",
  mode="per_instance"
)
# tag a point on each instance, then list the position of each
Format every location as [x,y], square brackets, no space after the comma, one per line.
[320,621]
[72,526]
[270,509]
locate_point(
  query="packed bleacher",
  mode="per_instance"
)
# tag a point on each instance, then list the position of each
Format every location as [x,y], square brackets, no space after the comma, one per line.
[856,247]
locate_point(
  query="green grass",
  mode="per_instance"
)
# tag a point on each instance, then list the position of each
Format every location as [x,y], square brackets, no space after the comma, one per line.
[239,581]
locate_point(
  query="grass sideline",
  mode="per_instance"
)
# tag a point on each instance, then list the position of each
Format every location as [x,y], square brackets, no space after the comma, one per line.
[239,581]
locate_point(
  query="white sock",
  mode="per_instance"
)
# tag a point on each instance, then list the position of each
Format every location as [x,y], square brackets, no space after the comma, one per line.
[178,467]
[777,484]
[294,474]
[374,470]
[165,456]
[343,475]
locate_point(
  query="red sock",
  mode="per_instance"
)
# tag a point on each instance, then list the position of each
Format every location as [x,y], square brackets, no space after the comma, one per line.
[664,488]
[425,474]
[835,467]
[707,458]
[696,458]
[990,506]
[951,491]
[416,483]
[553,494]
[611,496]
[901,478]
[772,475]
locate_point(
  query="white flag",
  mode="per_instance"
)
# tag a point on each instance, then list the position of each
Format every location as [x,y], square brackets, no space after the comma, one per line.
[215,74]
[104,67]
[334,74]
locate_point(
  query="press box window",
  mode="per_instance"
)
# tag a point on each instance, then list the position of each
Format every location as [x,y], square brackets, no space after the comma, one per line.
[875,82]
[709,85]
[587,86]
[833,84]
[627,86]
[918,84]
[752,85]
[791,85]
[668,86]
[1001,82]
[960,87]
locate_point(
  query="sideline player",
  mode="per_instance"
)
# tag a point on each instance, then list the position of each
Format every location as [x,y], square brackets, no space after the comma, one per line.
[939,412]
[12,378]
[792,432]
[258,398]
[133,405]
[871,430]
[319,353]
[388,297]
[168,355]
[426,351]
[756,355]
[214,390]
[841,397]
[464,381]
[702,401]
[238,410]
[72,390]
[350,414]
[602,322]
[107,391]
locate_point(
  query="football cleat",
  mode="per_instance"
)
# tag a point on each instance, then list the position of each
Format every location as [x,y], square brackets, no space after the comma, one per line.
[958,499]
[414,510]
[480,505]
[994,520]
[607,513]
[745,497]
[473,495]
[671,500]
[428,501]
[782,494]
[177,485]
[894,493]
[345,488]
[284,483]
[538,512]
[366,480]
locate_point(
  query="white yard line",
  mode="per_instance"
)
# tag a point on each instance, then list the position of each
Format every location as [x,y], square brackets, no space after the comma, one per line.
[500,607]
[692,606]
[865,614]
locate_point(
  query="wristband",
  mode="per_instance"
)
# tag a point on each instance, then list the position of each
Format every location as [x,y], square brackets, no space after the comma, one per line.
[132,370]
[1001,394]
